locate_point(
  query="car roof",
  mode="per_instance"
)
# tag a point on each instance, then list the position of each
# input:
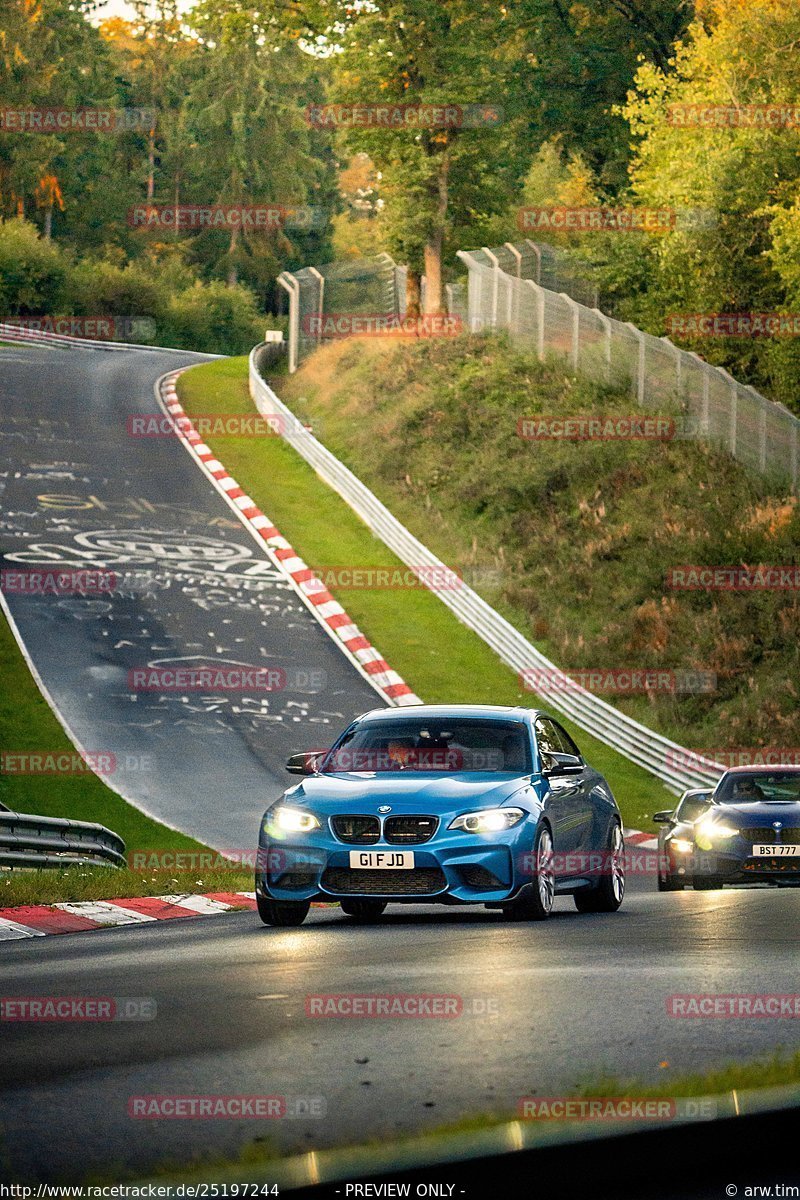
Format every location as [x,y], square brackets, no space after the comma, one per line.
[764,769]
[492,712]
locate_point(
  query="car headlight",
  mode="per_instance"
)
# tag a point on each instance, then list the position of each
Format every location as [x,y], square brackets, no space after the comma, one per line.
[490,820]
[682,845]
[284,818]
[715,829]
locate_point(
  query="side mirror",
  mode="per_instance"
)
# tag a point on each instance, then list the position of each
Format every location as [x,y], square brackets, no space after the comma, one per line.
[664,817]
[561,764]
[305,763]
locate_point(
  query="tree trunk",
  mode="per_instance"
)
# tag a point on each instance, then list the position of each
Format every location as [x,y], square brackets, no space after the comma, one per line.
[435,241]
[151,166]
[48,222]
[233,273]
[412,293]
[433,273]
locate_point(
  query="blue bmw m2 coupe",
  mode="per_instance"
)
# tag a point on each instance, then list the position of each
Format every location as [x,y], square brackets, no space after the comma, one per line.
[442,804]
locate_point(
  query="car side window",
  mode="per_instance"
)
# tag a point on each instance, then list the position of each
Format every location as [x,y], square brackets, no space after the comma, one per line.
[547,740]
[567,744]
[691,808]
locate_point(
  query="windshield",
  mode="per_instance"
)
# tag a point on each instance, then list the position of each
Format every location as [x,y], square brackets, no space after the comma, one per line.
[760,785]
[447,746]
[692,807]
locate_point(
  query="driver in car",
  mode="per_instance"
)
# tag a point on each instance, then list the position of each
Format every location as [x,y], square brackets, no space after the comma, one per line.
[747,789]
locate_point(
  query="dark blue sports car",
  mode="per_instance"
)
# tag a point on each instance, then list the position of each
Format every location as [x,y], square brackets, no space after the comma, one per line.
[458,804]
[751,832]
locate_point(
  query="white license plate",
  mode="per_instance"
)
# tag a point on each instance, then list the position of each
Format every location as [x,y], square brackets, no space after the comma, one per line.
[777,851]
[382,860]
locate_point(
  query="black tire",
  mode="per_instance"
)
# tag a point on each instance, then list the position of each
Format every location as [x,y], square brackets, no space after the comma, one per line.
[670,884]
[607,895]
[282,912]
[706,883]
[363,912]
[536,902]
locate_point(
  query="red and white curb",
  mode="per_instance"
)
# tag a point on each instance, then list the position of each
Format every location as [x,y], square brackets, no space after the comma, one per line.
[318,599]
[36,920]
[643,841]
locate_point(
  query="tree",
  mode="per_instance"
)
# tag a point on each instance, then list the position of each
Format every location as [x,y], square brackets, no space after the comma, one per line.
[747,178]
[410,52]
[574,63]
[244,116]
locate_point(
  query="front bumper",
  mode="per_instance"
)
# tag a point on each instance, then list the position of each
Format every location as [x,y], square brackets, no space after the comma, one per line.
[452,868]
[736,863]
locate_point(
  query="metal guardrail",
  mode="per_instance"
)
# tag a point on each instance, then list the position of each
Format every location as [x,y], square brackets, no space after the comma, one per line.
[677,767]
[31,841]
[10,332]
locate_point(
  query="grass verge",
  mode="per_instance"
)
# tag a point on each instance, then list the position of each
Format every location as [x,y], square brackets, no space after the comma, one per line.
[27,724]
[439,658]
[106,883]
[582,536]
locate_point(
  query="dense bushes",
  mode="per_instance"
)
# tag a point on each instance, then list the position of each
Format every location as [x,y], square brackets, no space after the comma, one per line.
[32,271]
[168,304]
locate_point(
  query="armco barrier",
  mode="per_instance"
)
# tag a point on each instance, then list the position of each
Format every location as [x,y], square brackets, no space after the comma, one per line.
[664,758]
[32,841]
[9,332]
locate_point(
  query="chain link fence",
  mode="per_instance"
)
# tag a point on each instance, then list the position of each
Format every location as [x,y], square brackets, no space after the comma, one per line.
[505,289]
[335,293]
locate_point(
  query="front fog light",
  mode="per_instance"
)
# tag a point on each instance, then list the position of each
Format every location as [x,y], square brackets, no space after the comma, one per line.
[285,819]
[491,820]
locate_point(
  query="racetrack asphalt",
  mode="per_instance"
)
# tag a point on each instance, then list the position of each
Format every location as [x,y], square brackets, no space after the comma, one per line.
[79,492]
[543,1008]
